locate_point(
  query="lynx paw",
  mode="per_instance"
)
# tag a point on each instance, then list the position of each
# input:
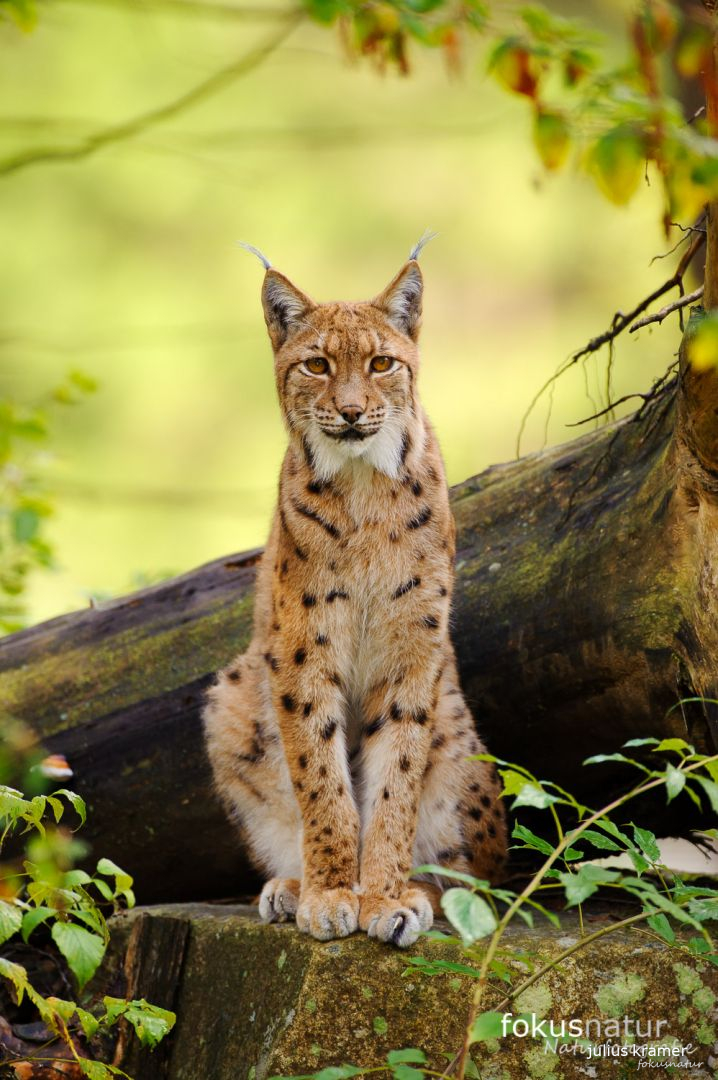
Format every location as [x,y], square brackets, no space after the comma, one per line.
[397,921]
[328,913]
[279,899]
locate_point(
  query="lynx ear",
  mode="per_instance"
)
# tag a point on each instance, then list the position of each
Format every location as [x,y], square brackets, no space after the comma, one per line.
[284,307]
[401,300]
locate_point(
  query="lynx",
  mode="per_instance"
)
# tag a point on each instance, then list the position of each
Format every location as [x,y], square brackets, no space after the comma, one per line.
[339,740]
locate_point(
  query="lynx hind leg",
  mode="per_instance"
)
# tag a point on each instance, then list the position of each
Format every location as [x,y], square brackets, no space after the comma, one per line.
[462,819]
[252,780]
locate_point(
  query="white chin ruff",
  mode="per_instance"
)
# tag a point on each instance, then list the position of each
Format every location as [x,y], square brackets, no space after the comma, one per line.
[382,451]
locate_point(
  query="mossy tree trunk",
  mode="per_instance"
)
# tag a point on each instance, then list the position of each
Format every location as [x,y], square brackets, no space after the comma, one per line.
[586,607]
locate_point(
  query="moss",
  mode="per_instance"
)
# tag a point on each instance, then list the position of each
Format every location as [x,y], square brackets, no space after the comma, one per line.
[347,1002]
[542,1065]
[689,981]
[626,989]
[704,999]
[537,999]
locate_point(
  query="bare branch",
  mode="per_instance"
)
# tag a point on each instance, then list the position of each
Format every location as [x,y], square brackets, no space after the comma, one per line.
[676,305]
[621,322]
[139,124]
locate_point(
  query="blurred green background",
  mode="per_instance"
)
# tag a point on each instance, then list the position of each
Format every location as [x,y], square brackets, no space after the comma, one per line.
[126,265]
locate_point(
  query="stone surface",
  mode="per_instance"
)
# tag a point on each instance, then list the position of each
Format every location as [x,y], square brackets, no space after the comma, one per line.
[259,1001]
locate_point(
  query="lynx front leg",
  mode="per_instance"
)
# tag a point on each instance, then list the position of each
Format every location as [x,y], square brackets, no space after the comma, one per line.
[395,753]
[309,708]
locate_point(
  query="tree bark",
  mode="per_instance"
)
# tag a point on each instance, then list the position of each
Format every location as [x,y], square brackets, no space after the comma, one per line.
[586,607]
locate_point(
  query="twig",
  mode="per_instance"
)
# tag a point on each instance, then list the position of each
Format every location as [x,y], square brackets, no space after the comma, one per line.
[676,305]
[127,130]
[620,321]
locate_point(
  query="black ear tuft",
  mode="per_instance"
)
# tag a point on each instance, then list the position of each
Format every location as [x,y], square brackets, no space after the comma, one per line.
[284,305]
[401,300]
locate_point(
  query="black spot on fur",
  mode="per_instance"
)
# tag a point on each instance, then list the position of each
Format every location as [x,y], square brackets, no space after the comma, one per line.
[235,676]
[328,730]
[334,678]
[337,594]
[285,567]
[316,487]
[437,742]
[374,726]
[476,813]
[321,639]
[430,622]
[313,796]
[412,583]
[386,793]
[309,600]
[307,708]
[302,759]
[491,829]
[416,488]
[420,716]
[395,711]
[443,591]
[300,553]
[288,702]
[300,656]
[421,519]
[486,800]
[312,515]
[405,447]
[404,763]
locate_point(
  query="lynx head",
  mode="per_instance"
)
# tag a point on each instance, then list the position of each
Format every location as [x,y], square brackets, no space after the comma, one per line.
[346,371]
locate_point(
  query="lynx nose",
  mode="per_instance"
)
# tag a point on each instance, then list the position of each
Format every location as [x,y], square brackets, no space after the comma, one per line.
[351,413]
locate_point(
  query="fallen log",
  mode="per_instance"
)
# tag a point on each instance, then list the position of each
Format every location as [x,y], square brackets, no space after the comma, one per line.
[586,608]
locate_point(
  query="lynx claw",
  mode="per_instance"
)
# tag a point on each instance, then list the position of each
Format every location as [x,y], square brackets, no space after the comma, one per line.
[328,913]
[278,900]
[397,921]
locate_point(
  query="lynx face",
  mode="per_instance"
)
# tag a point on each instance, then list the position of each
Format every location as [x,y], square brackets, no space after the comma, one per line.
[345,372]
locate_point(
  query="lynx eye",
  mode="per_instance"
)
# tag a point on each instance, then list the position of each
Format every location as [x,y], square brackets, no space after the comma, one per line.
[317,365]
[382,363]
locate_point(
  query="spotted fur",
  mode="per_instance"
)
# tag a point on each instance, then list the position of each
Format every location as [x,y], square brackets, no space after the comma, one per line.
[339,740]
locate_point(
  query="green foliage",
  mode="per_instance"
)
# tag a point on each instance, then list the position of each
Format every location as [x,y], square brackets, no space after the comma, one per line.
[26,503]
[480,912]
[47,890]
[619,119]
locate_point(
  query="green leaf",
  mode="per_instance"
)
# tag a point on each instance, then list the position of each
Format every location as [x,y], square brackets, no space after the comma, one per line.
[674,744]
[646,841]
[552,137]
[151,1023]
[17,976]
[530,839]
[585,881]
[599,759]
[617,163]
[412,1056]
[705,908]
[407,1072]
[455,875]
[82,949]
[599,840]
[675,781]
[662,927]
[711,789]
[90,1023]
[77,803]
[10,920]
[469,914]
[25,524]
[33,918]
[487,1025]
[640,742]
